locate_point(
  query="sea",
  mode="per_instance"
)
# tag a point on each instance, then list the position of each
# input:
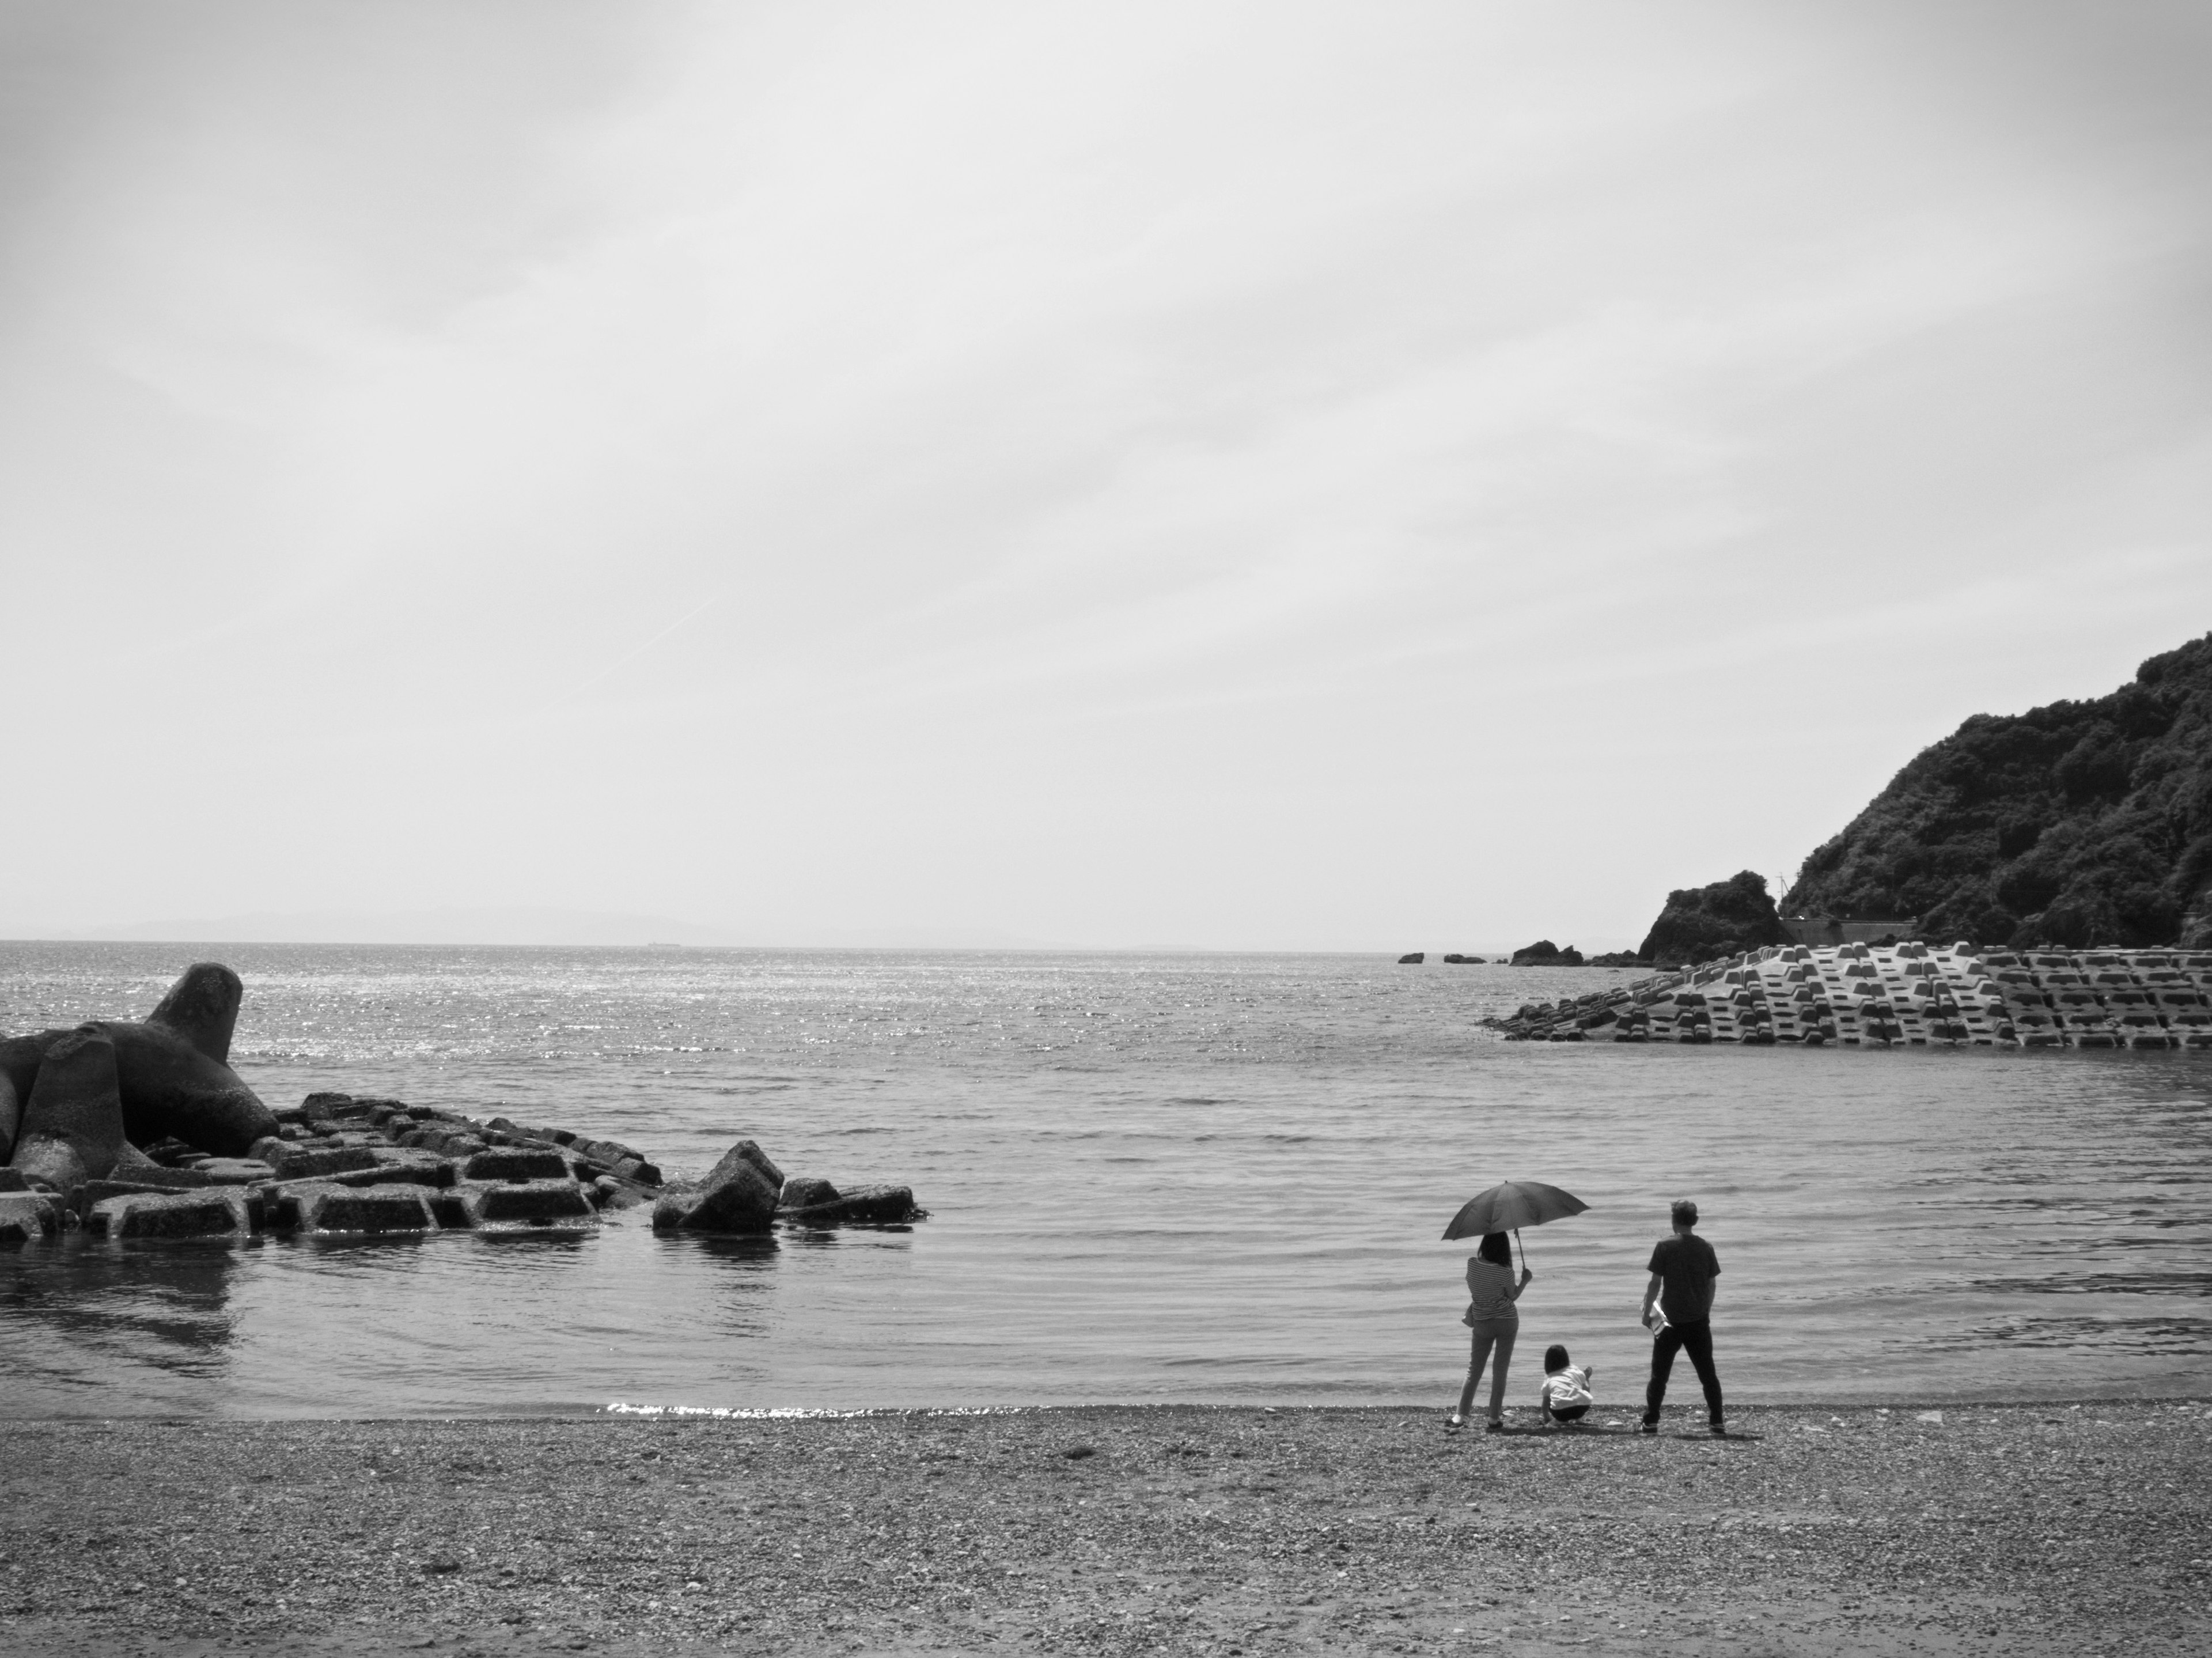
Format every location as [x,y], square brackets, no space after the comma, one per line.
[1212,1178]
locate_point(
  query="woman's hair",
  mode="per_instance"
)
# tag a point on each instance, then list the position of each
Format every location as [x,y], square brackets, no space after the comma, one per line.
[1494,1249]
[1555,1359]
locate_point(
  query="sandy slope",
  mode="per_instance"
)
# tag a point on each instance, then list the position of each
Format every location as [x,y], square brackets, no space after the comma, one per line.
[2013,1529]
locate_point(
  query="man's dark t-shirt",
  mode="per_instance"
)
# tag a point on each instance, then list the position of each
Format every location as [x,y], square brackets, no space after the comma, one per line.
[1687,1267]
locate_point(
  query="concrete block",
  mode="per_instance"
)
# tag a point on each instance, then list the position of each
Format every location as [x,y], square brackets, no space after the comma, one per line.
[329,1208]
[29,1217]
[539,1202]
[516,1163]
[214,1212]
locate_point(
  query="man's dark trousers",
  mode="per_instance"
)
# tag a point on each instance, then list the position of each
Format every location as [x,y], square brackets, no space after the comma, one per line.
[1697,1339]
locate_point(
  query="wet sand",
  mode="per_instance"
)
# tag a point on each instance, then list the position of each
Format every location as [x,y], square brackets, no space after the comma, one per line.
[1999,1528]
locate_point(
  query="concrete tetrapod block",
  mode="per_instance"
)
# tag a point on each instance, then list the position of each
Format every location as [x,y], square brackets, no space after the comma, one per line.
[529,1203]
[27,1217]
[202,1007]
[214,1212]
[176,1072]
[72,1128]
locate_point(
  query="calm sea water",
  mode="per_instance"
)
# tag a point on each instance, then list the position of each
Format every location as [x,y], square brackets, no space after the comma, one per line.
[1150,1178]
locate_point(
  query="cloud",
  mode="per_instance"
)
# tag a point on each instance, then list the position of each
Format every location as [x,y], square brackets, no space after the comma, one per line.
[1088,475]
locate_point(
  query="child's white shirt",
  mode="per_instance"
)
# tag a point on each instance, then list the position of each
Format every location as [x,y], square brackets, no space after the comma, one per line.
[1565,1389]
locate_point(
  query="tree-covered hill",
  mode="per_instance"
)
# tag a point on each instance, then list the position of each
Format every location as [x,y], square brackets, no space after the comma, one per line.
[2074,824]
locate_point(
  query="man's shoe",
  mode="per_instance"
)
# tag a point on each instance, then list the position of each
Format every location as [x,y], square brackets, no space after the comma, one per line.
[1720,1430]
[1649,1427]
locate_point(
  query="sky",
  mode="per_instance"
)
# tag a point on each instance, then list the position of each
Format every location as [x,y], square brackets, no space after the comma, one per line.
[1331,476]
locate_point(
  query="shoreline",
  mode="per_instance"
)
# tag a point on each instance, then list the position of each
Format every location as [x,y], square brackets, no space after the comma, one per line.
[678,1410]
[2029,1527]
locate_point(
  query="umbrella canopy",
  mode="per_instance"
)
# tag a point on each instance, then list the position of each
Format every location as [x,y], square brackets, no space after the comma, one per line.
[1509,1207]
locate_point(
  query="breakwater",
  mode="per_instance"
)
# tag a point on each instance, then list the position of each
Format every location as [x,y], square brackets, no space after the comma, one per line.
[1905,995]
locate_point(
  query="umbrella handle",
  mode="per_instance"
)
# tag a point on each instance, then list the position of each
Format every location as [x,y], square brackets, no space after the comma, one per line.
[1517,1244]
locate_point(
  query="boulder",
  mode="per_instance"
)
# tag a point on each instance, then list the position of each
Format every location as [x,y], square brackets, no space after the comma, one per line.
[806,1194]
[27,1217]
[867,1205]
[515,1164]
[216,1212]
[737,1199]
[11,1179]
[72,1126]
[1412,959]
[746,1152]
[11,1116]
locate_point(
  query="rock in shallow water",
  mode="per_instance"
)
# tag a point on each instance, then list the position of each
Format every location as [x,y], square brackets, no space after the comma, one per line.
[867,1205]
[748,1152]
[804,1192]
[736,1197]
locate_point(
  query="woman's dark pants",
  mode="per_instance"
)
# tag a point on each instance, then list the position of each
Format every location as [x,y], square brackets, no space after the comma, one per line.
[1696,1339]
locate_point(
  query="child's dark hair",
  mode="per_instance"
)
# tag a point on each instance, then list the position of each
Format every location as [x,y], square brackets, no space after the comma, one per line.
[1495,1250]
[1555,1359]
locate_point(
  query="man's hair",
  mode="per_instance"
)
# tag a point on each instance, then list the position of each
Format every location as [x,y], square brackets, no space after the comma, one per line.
[1685,1212]
[1555,1359]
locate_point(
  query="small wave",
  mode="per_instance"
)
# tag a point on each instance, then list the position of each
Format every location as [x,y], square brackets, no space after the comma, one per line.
[798,1412]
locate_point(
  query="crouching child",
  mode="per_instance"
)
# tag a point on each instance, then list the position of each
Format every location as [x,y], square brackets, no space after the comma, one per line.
[1565,1391]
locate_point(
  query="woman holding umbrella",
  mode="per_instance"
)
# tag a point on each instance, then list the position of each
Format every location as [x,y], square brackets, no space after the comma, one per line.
[1495,1320]
[1491,1287]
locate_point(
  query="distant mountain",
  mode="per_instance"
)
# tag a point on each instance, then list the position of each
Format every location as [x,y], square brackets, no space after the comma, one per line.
[2072,824]
[528,925]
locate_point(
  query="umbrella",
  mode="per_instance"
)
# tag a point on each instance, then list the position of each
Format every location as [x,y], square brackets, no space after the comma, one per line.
[1509,1207]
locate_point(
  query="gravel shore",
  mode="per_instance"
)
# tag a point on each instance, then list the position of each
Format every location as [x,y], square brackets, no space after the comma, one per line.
[2074,1529]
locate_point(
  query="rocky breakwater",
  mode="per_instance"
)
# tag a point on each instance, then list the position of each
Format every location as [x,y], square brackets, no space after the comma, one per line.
[1912,994]
[142,1130]
[748,1192]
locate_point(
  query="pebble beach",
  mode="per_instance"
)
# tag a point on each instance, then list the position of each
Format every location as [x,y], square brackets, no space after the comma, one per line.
[2011,1528]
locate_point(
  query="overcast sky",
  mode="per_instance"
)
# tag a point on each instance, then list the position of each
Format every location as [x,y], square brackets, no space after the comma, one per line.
[1348,476]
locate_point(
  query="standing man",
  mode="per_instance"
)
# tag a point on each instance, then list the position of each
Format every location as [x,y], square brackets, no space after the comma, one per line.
[1683,1268]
